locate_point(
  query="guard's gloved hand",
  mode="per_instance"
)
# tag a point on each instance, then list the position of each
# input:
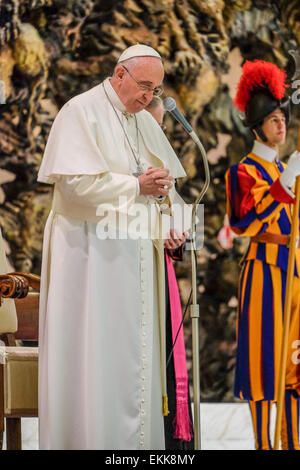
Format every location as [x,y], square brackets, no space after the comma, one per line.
[288,177]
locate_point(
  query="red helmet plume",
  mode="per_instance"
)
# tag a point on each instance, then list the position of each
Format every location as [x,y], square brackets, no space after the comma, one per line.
[259,74]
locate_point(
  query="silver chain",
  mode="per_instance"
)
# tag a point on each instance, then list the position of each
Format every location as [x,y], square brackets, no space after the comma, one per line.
[139,170]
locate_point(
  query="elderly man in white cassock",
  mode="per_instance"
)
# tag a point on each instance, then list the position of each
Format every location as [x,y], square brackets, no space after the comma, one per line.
[102,364]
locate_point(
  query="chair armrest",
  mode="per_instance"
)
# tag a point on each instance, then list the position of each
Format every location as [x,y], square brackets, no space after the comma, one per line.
[16,285]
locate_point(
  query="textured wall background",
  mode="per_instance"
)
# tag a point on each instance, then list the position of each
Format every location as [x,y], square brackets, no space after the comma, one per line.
[51,50]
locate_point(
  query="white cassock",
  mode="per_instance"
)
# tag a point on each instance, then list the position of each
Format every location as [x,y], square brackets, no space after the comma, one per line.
[99,348]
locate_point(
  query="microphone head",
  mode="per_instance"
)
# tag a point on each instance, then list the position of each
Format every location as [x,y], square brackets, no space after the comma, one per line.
[169,104]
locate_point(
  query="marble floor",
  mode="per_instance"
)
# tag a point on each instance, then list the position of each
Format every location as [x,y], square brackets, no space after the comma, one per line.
[224,426]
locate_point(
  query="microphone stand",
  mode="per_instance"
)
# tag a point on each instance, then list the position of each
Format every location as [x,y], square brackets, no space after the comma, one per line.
[170,105]
[194,309]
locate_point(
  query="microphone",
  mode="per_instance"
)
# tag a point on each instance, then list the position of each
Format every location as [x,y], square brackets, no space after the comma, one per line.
[170,105]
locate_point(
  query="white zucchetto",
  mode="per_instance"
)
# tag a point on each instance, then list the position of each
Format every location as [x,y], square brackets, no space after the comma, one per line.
[138,50]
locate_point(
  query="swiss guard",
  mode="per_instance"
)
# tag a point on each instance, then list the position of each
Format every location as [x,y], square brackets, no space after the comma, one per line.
[260,198]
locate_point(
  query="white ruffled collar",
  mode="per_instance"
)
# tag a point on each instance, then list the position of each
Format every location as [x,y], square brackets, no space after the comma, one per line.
[264,152]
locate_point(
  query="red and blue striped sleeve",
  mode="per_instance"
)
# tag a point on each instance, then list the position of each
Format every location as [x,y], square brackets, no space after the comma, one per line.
[251,201]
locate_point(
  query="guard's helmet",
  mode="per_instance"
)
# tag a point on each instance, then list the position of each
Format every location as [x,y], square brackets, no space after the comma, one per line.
[261,90]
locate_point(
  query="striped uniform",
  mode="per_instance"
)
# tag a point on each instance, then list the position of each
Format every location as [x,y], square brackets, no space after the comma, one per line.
[261,417]
[256,204]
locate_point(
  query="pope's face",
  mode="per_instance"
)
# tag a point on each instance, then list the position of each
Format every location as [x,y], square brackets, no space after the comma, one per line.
[274,127]
[136,81]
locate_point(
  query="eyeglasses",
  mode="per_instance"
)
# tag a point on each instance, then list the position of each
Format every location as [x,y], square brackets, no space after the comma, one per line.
[156,91]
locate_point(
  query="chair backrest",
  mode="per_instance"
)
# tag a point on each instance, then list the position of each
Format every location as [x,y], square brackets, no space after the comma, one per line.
[28,317]
[8,314]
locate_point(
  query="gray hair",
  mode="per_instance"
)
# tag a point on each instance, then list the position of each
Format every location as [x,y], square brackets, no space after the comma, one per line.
[155,102]
[132,62]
